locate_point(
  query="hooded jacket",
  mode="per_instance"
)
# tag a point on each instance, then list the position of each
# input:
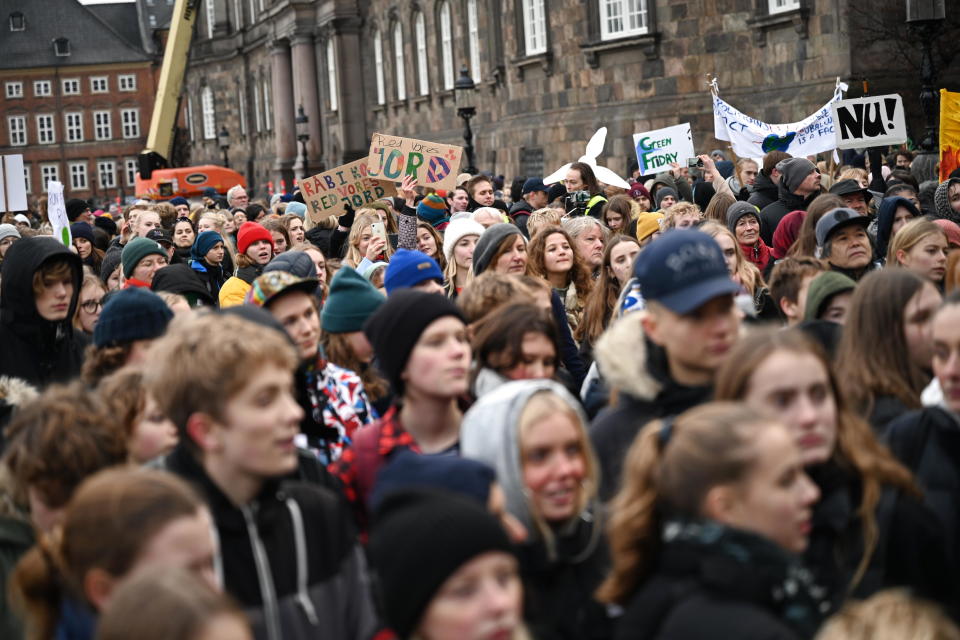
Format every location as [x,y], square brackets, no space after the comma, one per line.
[646,392]
[520,213]
[764,191]
[181,279]
[35,350]
[560,570]
[680,185]
[290,558]
[773,213]
[885,215]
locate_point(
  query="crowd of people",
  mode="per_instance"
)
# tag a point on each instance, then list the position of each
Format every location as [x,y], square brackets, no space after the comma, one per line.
[723,403]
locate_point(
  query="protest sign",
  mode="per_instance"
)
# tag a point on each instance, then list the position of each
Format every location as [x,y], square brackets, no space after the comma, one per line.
[433,164]
[752,138]
[657,149]
[13,184]
[949,133]
[327,194]
[57,212]
[869,122]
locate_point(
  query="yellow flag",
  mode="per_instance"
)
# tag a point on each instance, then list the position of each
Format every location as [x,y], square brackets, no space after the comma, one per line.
[949,132]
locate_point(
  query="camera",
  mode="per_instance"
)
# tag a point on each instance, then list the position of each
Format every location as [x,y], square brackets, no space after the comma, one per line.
[694,162]
[575,203]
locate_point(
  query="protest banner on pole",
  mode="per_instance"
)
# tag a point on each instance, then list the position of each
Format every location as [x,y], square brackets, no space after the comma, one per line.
[949,133]
[433,164]
[869,122]
[328,193]
[752,138]
[13,184]
[57,212]
[657,149]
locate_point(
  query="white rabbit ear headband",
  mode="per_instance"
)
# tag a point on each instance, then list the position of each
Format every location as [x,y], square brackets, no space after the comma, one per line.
[594,149]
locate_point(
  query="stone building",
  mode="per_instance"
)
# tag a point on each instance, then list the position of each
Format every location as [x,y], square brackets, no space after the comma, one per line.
[548,72]
[77,94]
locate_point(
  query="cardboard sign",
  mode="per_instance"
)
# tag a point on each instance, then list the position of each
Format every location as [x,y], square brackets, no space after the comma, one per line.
[752,138]
[57,212]
[657,149]
[870,122]
[433,164]
[328,193]
[13,184]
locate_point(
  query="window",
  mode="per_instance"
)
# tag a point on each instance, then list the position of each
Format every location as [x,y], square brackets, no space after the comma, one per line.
[78,175]
[237,15]
[130,122]
[398,63]
[446,44]
[73,122]
[332,75]
[535,27]
[209,114]
[71,87]
[102,128]
[17,23]
[107,173]
[14,89]
[130,168]
[17,127]
[473,29]
[153,21]
[61,47]
[378,64]
[211,18]
[242,104]
[189,117]
[45,131]
[128,82]
[49,172]
[267,113]
[620,18]
[420,30]
[26,178]
[780,6]
[41,89]
[98,84]
[257,109]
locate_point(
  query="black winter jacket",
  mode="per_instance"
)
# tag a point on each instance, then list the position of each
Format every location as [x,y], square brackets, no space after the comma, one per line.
[764,191]
[773,213]
[646,393]
[520,213]
[290,558]
[32,349]
[715,582]
[181,279]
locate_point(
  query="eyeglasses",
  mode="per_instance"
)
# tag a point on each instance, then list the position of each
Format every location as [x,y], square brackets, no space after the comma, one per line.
[91,306]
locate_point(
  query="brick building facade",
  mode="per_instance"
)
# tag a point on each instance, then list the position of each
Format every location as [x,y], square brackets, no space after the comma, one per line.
[76,95]
[548,72]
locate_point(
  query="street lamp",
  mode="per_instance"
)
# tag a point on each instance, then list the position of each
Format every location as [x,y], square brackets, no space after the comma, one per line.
[465,96]
[926,18]
[303,134]
[224,140]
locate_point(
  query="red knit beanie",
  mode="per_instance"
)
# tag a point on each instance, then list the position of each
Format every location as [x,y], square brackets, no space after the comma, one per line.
[249,233]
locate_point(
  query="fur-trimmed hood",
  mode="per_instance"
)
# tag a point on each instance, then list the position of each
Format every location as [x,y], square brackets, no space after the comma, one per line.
[15,392]
[626,374]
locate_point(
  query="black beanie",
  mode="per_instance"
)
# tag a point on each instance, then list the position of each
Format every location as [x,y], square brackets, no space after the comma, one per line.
[395,327]
[419,538]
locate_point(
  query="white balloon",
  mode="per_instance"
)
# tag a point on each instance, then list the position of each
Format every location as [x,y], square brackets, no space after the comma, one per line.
[594,149]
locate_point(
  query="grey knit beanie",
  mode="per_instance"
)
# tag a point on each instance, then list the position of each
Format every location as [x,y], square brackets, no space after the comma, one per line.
[489,242]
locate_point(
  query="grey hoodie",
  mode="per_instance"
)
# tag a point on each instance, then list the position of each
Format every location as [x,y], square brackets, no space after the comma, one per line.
[489,433]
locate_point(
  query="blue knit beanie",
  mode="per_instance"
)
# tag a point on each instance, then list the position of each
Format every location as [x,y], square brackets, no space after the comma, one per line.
[179,200]
[352,299]
[410,268]
[205,241]
[296,208]
[81,230]
[131,314]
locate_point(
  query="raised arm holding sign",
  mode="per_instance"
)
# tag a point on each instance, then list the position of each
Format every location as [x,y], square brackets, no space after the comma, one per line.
[432,164]
[328,193]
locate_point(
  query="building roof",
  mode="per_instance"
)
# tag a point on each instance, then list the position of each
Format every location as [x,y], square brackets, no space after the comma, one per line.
[121,17]
[91,40]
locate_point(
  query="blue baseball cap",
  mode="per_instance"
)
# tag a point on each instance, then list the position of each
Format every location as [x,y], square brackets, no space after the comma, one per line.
[682,270]
[410,268]
[533,184]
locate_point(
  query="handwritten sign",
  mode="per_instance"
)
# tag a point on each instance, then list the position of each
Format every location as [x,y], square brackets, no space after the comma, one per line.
[752,138]
[57,212]
[657,149]
[328,193]
[870,122]
[433,164]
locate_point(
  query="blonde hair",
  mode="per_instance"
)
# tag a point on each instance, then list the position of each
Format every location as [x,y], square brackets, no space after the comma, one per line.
[671,213]
[749,275]
[362,222]
[541,218]
[910,236]
[854,173]
[892,614]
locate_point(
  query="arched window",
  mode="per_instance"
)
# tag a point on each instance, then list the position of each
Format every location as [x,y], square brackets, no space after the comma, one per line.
[420,30]
[473,29]
[446,44]
[378,65]
[209,114]
[399,65]
[332,75]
